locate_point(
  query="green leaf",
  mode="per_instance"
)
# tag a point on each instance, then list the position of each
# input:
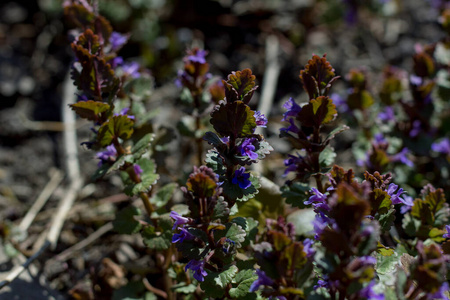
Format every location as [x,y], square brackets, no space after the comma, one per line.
[240,85]
[116,127]
[263,149]
[213,139]
[139,88]
[221,210]
[233,119]
[142,146]
[386,264]
[235,192]
[163,195]
[317,112]
[236,234]
[296,194]
[225,277]
[386,218]
[183,288]
[326,157]
[335,132]
[244,279]
[214,161]
[410,225]
[90,109]
[125,223]
[148,178]
[155,240]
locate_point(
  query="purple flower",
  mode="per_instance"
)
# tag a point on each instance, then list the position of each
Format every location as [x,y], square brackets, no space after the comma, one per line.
[447,235]
[291,163]
[262,280]
[340,102]
[198,56]
[124,112]
[387,115]
[137,170]
[369,294]
[415,130]
[318,200]
[225,139]
[308,247]
[322,283]
[367,260]
[395,197]
[292,109]
[292,127]
[319,224]
[107,155]
[117,40]
[441,293]
[379,139]
[241,178]
[116,61]
[443,146]
[401,157]
[179,220]
[408,204]
[261,120]
[183,235]
[131,69]
[248,149]
[198,268]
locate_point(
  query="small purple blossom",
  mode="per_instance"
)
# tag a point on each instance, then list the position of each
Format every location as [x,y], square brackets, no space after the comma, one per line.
[247,148]
[261,120]
[395,196]
[116,62]
[179,220]
[443,146]
[387,115]
[137,170]
[369,294]
[341,104]
[441,293]
[198,268]
[292,127]
[292,109]
[378,139]
[408,204]
[319,224]
[241,178]
[291,163]
[131,69]
[198,56]
[262,280]
[415,130]
[124,112]
[117,40]
[308,247]
[318,200]
[107,155]
[225,139]
[182,236]
[402,157]
[447,235]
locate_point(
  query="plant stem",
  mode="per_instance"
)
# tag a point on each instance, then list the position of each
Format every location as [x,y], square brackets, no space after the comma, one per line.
[148,206]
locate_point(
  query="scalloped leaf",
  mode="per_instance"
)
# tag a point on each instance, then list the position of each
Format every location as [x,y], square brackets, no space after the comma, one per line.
[156,241]
[296,193]
[164,194]
[125,223]
[148,178]
[244,280]
[79,15]
[317,112]
[236,233]
[233,191]
[221,210]
[317,75]
[89,41]
[240,85]
[225,277]
[90,109]
[213,139]
[233,119]
[116,127]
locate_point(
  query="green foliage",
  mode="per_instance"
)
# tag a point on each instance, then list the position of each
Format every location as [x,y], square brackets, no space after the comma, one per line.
[296,194]
[243,280]
[148,178]
[155,240]
[164,194]
[90,110]
[235,233]
[113,129]
[233,191]
[125,222]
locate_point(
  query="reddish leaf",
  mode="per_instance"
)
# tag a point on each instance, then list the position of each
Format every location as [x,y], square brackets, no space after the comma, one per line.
[233,119]
[317,75]
[240,85]
[317,112]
